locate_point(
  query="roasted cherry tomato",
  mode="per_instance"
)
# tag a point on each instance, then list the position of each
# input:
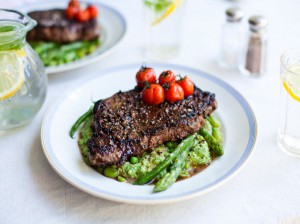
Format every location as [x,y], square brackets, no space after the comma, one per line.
[83,16]
[166,77]
[71,11]
[74,3]
[93,11]
[145,75]
[154,94]
[174,93]
[187,85]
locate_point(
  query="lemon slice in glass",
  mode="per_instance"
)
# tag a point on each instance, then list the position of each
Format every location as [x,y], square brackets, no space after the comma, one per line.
[291,83]
[11,72]
[166,13]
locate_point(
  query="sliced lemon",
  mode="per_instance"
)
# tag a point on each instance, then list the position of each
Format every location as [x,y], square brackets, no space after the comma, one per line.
[293,92]
[169,10]
[11,72]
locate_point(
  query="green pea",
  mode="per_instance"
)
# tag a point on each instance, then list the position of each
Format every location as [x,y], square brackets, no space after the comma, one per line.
[171,150]
[187,166]
[121,179]
[134,160]
[171,144]
[111,172]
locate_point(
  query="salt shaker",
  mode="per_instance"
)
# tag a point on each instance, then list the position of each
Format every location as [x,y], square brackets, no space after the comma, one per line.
[232,35]
[253,58]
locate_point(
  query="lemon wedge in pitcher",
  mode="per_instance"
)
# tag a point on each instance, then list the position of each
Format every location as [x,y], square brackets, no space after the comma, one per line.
[167,12]
[11,72]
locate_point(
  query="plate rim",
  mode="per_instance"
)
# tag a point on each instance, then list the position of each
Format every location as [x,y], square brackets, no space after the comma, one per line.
[67,176]
[81,63]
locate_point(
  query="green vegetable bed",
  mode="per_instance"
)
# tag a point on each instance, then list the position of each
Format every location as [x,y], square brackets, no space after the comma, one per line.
[168,162]
[53,54]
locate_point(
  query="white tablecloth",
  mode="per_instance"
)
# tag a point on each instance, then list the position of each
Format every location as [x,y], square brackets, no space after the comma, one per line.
[265,191]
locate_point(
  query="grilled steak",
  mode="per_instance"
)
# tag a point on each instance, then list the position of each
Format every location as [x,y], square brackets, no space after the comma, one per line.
[124,125]
[53,25]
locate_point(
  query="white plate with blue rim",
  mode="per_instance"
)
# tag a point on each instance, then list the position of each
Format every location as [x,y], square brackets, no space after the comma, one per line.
[113,29]
[64,156]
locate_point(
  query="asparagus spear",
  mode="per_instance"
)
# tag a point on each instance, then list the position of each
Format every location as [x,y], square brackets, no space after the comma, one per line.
[185,143]
[217,134]
[170,177]
[213,121]
[214,144]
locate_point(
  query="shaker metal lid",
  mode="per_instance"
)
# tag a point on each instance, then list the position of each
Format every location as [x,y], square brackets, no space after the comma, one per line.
[234,14]
[258,23]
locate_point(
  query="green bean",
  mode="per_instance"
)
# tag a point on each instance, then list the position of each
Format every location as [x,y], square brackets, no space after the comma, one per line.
[170,177]
[111,172]
[185,143]
[79,121]
[134,160]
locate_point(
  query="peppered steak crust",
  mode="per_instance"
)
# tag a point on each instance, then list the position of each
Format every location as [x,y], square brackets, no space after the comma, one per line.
[124,125]
[53,25]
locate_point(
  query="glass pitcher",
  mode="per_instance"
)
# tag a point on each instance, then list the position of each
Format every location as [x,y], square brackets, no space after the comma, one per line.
[23,82]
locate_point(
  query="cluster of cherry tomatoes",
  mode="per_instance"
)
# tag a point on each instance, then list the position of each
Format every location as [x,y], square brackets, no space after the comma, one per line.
[167,88]
[81,15]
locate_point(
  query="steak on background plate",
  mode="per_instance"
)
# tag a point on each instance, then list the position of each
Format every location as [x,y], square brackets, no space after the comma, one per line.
[54,26]
[124,125]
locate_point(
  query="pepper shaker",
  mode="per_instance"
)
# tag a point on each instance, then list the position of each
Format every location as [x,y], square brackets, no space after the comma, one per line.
[232,35]
[253,59]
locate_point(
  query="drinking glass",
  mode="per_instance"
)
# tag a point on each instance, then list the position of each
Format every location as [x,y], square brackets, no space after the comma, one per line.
[163,20]
[23,82]
[289,131]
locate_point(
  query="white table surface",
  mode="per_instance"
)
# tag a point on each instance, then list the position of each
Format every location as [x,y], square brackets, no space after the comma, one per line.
[265,191]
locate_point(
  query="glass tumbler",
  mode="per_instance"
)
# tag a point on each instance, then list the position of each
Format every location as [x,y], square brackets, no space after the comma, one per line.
[163,20]
[23,82]
[289,131]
